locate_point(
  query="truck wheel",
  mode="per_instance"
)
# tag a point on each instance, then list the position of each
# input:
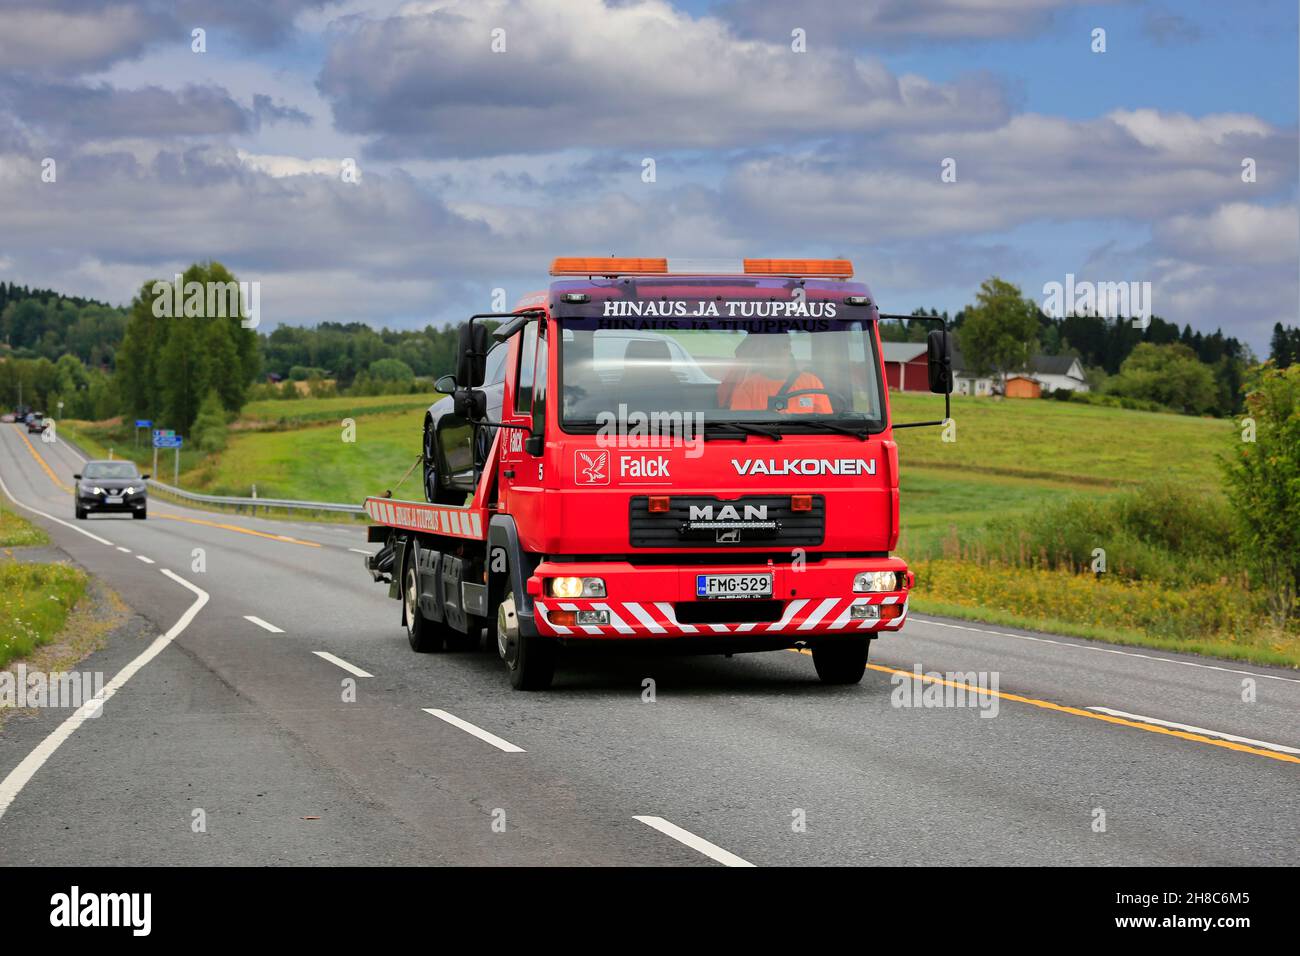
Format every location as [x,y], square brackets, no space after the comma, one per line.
[425,635]
[842,660]
[530,659]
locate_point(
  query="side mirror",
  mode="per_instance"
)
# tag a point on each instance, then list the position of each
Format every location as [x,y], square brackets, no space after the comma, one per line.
[534,445]
[445,385]
[938,360]
[472,349]
[78,477]
[144,477]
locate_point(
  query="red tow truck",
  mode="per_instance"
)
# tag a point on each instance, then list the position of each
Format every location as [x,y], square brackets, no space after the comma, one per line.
[695,455]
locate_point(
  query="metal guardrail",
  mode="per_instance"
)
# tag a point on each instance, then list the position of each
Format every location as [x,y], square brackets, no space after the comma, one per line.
[238,501]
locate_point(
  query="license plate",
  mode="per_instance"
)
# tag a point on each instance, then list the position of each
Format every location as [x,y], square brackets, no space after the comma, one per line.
[733,585]
[113,500]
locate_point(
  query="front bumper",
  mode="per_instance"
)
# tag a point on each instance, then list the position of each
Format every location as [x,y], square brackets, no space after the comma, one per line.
[649,601]
[134,502]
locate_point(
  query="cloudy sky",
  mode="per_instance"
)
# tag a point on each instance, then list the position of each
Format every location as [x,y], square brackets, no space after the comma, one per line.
[475,166]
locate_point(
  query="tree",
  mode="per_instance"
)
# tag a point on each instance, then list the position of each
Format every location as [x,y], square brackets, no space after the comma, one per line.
[210,424]
[1263,482]
[1000,331]
[1169,374]
[391,370]
[1284,347]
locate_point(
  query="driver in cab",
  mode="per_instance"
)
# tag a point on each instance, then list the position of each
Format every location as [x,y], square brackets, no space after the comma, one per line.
[765,368]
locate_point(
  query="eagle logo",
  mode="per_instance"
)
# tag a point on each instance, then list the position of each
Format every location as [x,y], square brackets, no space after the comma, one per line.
[591,467]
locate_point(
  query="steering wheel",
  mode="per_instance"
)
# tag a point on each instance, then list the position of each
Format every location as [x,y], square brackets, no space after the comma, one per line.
[780,401]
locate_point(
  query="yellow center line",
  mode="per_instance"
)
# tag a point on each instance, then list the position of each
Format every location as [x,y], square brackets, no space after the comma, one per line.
[41,461]
[1091,715]
[234,527]
[212,524]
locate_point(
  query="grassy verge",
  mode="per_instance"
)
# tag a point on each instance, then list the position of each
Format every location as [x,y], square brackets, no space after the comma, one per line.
[1218,619]
[16,532]
[35,600]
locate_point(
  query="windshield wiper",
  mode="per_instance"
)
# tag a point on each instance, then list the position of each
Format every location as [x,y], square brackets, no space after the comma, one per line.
[744,428]
[860,433]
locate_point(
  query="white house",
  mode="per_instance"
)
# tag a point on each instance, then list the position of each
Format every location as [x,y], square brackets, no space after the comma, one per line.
[1049,371]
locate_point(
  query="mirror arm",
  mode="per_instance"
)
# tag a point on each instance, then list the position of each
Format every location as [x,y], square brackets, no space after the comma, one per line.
[947,396]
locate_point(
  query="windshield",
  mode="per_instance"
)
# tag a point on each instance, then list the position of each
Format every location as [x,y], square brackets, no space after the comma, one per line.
[110,469]
[796,374]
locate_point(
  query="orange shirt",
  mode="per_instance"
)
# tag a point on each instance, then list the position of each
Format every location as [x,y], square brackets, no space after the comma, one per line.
[752,393]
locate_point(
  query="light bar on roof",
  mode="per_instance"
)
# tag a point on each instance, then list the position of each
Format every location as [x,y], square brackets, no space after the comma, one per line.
[612,266]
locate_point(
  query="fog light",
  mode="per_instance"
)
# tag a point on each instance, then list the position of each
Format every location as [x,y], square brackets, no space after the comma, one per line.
[593,617]
[864,612]
[875,581]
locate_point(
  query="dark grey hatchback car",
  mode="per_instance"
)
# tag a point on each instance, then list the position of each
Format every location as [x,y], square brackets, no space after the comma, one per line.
[110,486]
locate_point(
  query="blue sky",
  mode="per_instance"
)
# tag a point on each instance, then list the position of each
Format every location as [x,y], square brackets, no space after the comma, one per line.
[477,167]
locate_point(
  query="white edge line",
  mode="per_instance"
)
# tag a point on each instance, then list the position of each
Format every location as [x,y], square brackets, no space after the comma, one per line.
[141,557]
[44,514]
[124,550]
[699,844]
[1198,730]
[263,624]
[13,784]
[478,732]
[1105,650]
[350,668]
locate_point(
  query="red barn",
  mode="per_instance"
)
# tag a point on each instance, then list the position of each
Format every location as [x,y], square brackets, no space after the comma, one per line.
[905,366]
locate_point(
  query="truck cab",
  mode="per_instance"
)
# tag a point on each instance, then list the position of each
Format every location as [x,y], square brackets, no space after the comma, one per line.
[691,457]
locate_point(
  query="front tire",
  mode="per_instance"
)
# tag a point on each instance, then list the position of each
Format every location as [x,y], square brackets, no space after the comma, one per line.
[81,513]
[841,660]
[530,658]
[424,635]
[140,515]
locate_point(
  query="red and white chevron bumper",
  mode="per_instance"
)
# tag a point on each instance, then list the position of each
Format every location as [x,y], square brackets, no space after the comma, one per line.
[802,616]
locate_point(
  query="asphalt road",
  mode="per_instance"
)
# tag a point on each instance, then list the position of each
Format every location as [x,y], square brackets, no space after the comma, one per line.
[747,759]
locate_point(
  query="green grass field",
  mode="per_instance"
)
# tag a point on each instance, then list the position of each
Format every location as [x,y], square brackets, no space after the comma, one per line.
[1010,455]
[314,463]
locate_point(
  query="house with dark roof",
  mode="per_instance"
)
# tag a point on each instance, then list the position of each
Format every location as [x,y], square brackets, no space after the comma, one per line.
[1047,372]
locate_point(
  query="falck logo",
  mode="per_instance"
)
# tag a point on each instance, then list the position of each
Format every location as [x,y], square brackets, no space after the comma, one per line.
[591,467]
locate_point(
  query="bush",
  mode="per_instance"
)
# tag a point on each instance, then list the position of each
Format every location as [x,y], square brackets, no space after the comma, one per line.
[1157,533]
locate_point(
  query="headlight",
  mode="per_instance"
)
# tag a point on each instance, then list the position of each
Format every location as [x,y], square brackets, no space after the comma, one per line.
[130,491]
[96,491]
[875,581]
[577,587]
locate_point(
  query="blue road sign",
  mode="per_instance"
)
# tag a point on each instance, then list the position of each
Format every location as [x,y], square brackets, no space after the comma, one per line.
[143,423]
[166,438]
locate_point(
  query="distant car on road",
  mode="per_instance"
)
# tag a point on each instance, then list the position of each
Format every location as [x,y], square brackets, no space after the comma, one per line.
[110,486]
[8,418]
[37,422]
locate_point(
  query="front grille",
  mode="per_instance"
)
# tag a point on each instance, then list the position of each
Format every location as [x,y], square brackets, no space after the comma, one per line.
[780,526]
[729,612]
